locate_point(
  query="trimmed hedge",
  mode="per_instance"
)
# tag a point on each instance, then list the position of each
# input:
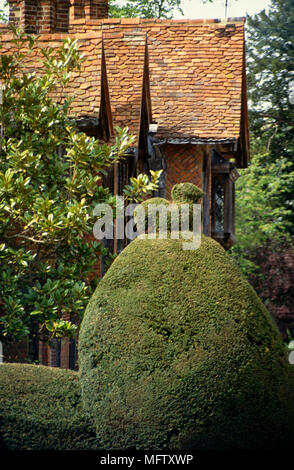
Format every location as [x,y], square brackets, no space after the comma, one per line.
[144,219]
[40,409]
[177,352]
[186,192]
[182,193]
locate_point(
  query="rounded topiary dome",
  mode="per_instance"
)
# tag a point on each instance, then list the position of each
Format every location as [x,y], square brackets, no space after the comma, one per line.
[186,192]
[177,352]
[149,212]
[144,218]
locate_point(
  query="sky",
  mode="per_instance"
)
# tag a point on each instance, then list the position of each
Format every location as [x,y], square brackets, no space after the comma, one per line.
[194,9]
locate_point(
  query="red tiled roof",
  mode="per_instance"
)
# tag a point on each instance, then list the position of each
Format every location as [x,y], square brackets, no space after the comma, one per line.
[196,70]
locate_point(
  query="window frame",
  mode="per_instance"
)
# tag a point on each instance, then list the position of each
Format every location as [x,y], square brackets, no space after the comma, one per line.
[225,171]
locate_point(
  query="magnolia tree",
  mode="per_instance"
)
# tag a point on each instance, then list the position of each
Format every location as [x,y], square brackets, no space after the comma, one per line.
[50,182]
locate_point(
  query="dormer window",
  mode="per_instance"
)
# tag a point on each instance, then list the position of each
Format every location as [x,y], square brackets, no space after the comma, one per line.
[224,175]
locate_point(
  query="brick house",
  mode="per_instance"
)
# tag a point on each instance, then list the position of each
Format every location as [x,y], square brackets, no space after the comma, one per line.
[180,87]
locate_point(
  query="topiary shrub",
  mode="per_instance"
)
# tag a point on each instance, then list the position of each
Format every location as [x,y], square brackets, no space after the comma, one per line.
[177,352]
[146,219]
[186,193]
[40,409]
[182,193]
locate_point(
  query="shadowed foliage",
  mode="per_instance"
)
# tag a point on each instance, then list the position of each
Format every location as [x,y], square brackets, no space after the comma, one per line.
[40,409]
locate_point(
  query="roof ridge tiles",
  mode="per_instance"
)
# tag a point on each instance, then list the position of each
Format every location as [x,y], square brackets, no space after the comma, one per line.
[240,19]
[132,21]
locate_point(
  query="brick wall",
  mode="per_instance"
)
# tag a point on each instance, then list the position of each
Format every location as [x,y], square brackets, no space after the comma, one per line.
[50,16]
[37,16]
[183,165]
[96,9]
[41,16]
[62,16]
[89,9]
[78,10]
[43,353]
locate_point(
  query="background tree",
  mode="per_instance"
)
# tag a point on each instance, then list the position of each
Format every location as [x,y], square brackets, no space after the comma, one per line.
[270,72]
[50,181]
[265,193]
[4,12]
[262,216]
[145,8]
[264,248]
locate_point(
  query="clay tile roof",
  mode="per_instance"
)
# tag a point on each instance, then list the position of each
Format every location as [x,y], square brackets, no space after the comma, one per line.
[196,74]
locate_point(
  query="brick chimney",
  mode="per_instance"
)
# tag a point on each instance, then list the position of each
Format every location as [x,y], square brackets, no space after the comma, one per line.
[89,9]
[50,16]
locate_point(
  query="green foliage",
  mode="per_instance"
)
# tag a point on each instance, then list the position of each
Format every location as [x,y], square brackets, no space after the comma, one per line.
[116,10]
[149,220]
[265,192]
[261,214]
[186,193]
[4,12]
[142,186]
[50,181]
[40,409]
[177,352]
[182,193]
[144,8]
[270,46]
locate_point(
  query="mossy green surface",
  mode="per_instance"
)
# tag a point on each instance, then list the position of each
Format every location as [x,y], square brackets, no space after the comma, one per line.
[40,409]
[186,193]
[148,220]
[158,212]
[177,352]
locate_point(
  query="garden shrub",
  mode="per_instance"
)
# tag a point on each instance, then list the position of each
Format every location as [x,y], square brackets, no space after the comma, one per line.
[182,193]
[148,219]
[186,192]
[40,409]
[178,352]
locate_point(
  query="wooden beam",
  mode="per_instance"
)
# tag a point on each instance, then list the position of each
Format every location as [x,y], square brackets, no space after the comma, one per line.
[146,111]
[207,190]
[244,123]
[105,123]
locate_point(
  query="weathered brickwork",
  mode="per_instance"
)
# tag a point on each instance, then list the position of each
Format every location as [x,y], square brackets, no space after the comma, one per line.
[41,16]
[91,10]
[62,16]
[50,16]
[183,164]
[44,352]
[49,356]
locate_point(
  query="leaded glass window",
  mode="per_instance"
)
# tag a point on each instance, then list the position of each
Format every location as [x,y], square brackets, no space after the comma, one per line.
[219,205]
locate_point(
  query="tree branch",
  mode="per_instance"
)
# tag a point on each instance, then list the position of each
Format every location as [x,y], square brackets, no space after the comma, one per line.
[271,137]
[27,238]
